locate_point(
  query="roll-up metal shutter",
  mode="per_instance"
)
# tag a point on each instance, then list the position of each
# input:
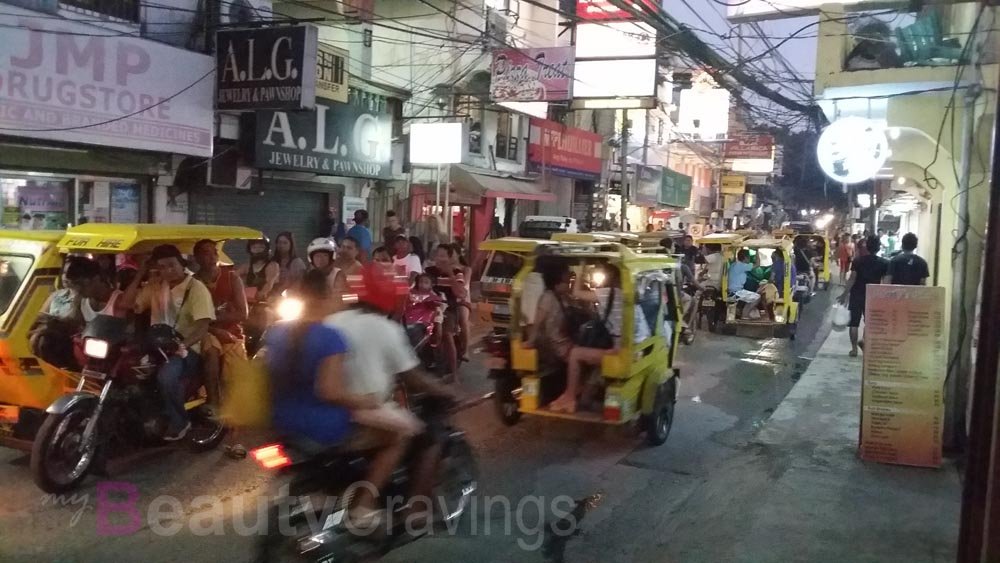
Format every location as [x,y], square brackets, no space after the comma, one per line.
[273,211]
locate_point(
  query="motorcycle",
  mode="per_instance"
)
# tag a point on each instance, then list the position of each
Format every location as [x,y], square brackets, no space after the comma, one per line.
[420,318]
[711,309]
[116,407]
[308,521]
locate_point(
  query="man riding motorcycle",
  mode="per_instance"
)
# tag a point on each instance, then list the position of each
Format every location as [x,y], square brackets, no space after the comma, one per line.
[178,301]
[372,367]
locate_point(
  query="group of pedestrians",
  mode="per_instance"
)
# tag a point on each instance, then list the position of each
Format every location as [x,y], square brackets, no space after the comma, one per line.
[868,267]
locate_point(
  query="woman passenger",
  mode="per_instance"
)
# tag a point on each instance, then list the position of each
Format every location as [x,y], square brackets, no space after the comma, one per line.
[550,335]
[448,281]
[291,267]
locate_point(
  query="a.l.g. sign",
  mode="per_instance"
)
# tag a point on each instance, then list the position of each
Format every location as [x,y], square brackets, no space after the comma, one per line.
[334,139]
[72,82]
[556,149]
[266,68]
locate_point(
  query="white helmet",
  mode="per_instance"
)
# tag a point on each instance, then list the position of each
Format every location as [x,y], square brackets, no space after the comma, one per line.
[322,245]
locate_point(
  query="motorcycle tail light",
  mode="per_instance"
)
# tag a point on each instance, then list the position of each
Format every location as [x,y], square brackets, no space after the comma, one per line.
[612,408]
[271,456]
[499,347]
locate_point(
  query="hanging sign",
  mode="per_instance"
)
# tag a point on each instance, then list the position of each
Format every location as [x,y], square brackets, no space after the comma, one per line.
[532,75]
[733,184]
[334,139]
[902,403]
[266,68]
[852,150]
[331,73]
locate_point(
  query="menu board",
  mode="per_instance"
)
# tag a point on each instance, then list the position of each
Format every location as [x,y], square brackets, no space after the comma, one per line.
[902,399]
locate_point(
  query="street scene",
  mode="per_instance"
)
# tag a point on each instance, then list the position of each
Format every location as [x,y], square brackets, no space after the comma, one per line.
[499,280]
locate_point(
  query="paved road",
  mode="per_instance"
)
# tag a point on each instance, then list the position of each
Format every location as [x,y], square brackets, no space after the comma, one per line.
[629,502]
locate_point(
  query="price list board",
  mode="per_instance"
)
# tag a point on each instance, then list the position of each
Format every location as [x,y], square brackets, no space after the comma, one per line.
[902,402]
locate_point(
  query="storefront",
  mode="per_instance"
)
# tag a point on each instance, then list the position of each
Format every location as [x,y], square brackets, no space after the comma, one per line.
[569,162]
[59,164]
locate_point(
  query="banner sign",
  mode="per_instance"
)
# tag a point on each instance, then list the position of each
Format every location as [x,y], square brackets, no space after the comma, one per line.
[266,68]
[603,10]
[331,73]
[76,83]
[675,189]
[334,139]
[564,151]
[532,75]
[733,184]
[645,189]
[902,403]
[749,145]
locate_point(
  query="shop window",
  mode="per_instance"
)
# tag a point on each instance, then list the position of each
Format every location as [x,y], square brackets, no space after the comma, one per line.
[31,204]
[127,10]
[108,201]
[507,136]
[470,108]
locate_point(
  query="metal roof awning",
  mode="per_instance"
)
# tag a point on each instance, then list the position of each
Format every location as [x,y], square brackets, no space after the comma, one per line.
[497,184]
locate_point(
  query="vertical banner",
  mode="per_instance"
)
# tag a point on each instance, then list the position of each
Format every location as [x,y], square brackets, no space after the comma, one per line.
[902,403]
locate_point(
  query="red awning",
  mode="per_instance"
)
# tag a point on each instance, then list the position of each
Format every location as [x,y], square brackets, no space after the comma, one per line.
[490,184]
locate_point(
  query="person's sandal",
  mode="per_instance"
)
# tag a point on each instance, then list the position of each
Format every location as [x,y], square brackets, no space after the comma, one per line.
[236,451]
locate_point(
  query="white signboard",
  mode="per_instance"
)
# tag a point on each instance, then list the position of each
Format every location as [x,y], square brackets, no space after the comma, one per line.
[754,10]
[436,143]
[628,78]
[73,82]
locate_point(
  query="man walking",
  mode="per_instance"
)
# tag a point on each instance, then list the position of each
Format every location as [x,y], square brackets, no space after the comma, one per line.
[866,269]
[906,268]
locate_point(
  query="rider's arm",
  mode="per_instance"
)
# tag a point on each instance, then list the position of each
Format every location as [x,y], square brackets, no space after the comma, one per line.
[130,300]
[417,381]
[199,305]
[238,310]
[331,387]
[198,331]
[271,274]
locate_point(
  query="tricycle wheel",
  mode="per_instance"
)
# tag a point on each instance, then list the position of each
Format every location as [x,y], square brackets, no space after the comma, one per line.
[507,405]
[659,423]
[60,460]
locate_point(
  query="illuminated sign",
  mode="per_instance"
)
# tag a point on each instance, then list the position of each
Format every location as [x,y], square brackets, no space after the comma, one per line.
[852,150]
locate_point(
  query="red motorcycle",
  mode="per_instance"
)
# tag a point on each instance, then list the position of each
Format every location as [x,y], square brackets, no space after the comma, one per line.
[421,317]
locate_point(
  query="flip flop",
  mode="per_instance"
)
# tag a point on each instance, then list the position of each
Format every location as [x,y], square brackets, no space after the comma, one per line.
[853,353]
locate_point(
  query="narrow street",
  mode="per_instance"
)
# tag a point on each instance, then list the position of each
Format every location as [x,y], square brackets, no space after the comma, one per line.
[613,484]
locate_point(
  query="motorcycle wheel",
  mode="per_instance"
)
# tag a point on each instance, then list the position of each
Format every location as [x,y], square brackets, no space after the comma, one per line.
[57,464]
[506,404]
[206,432]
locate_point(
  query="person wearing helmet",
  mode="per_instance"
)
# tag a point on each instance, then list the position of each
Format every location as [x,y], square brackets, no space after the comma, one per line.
[322,252]
[261,273]
[371,369]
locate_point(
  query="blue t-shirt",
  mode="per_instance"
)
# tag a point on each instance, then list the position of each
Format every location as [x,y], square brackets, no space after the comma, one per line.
[738,275]
[361,234]
[296,409]
[778,267]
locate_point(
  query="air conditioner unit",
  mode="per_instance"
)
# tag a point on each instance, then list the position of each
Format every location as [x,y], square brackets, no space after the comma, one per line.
[239,12]
[225,169]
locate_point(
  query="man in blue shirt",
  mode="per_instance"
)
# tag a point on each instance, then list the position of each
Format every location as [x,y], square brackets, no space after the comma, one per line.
[360,233]
[738,272]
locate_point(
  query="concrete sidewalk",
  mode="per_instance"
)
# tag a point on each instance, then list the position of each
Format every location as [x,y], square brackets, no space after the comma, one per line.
[826,504]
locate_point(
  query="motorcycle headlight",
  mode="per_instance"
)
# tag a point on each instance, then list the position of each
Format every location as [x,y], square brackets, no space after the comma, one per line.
[96,348]
[290,309]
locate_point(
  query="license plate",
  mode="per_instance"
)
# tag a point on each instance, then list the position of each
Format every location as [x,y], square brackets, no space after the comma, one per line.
[501,309]
[91,374]
[708,303]
[334,519]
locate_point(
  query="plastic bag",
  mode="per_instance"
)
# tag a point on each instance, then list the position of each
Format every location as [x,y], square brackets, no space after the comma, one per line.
[841,317]
[247,400]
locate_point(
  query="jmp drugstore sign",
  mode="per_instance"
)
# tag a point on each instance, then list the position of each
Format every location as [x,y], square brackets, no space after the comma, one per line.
[268,68]
[72,82]
[334,139]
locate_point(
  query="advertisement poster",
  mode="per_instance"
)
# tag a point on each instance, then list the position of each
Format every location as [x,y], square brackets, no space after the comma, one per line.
[733,184]
[97,88]
[601,10]
[532,75]
[902,403]
[42,206]
[564,151]
[124,203]
[749,145]
[334,139]
[266,68]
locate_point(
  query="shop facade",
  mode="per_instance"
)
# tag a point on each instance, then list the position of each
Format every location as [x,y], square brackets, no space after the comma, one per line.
[77,145]
[569,162]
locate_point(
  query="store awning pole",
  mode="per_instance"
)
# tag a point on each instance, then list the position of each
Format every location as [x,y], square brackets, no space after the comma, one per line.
[437,194]
[448,219]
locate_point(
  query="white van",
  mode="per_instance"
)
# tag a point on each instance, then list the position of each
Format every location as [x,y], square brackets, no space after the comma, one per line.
[544,226]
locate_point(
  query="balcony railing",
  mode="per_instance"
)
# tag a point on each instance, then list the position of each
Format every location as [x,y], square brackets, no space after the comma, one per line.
[126,10]
[934,36]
